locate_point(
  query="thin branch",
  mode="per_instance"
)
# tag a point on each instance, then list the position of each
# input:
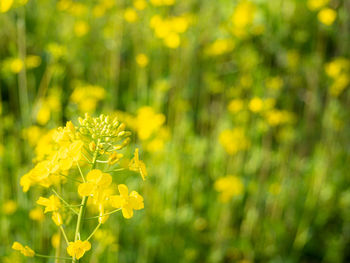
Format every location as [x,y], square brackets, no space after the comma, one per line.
[106,214]
[64,201]
[93,232]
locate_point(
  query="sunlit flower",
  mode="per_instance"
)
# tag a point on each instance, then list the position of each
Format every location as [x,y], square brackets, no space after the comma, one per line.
[51,204]
[327,16]
[142,60]
[25,250]
[130,15]
[228,187]
[78,248]
[5,5]
[234,140]
[96,182]
[127,202]
[316,4]
[81,28]
[137,165]
[36,214]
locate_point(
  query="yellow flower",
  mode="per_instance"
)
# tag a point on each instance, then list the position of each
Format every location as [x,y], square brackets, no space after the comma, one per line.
[130,15]
[5,5]
[327,16]
[51,204]
[81,28]
[97,181]
[127,202]
[78,248]
[256,104]
[25,250]
[16,65]
[229,187]
[9,207]
[244,14]
[172,40]
[137,165]
[235,105]
[56,218]
[70,154]
[219,47]
[234,140]
[148,122]
[142,60]
[114,158]
[36,214]
[316,4]
[140,4]
[33,61]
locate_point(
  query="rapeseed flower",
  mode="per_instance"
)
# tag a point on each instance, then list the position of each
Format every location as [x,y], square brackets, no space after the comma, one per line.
[127,202]
[25,250]
[78,248]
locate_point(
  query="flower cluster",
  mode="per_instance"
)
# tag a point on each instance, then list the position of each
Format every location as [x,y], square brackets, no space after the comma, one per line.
[94,145]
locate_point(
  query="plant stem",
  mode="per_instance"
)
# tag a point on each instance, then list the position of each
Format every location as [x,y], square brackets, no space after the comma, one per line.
[44,256]
[64,235]
[93,232]
[84,201]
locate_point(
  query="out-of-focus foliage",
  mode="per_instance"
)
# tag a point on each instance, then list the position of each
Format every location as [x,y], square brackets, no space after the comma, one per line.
[239,107]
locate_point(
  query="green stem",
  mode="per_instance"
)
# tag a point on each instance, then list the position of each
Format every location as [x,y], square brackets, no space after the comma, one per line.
[64,235]
[93,232]
[65,202]
[83,202]
[106,214]
[44,256]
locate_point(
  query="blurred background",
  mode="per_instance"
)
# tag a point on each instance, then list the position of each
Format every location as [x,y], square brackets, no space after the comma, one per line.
[240,109]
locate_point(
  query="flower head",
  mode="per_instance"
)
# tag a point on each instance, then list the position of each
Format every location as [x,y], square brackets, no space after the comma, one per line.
[25,250]
[51,204]
[137,165]
[127,202]
[78,248]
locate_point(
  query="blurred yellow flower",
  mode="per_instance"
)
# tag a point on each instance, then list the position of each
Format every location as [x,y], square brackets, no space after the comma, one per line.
[235,105]
[127,202]
[36,214]
[274,83]
[87,97]
[25,250]
[9,207]
[33,61]
[55,240]
[148,122]
[130,15]
[219,47]
[56,218]
[44,114]
[256,104]
[81,28]
[142,60]
[327,16]
[243,14]
[16,65]
[162,2]
[228,187]
[78,248]
[172,40]
[316,4]
[234,140]
[140,4]
[5,5]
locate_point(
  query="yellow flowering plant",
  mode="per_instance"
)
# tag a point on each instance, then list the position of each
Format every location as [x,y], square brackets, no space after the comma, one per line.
[93,146]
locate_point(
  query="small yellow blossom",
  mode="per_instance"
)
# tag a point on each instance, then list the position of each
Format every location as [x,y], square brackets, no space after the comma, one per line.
[274,83]
[78,248]
[142,60]
[137,165]
[51,204]
[5,5]
[56,218]
[36,214]
[81,28]
[97,181]
[316,4]
[219,47]
[140,4]
[9,207]
[327,16]
[228,187]
[172,40]
[25,250]
[234,140]
[235,105]
[256,104]
[244,14]
[114,158]
[130,15]
[33,61]
[127,202]
[16,65]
